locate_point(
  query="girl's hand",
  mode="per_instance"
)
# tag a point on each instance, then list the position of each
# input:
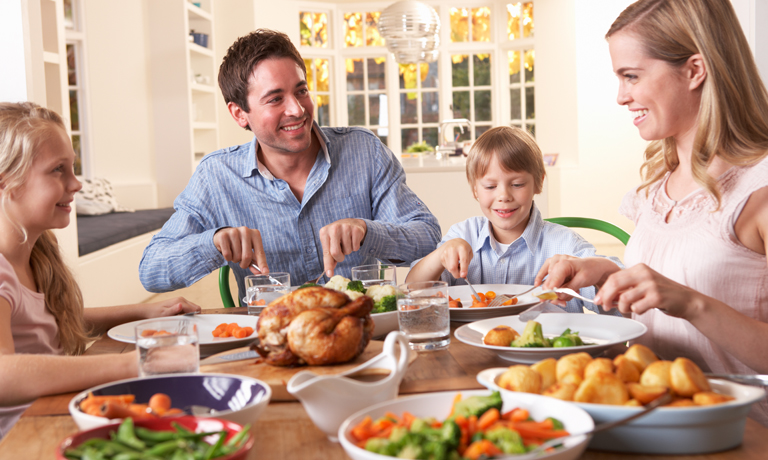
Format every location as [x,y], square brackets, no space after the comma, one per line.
[170,307]
[455,256]
[639,289]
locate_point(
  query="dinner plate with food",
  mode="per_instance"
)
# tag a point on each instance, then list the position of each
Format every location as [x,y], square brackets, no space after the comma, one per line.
[216,333]
[532,341]
[465,308]
[705,415]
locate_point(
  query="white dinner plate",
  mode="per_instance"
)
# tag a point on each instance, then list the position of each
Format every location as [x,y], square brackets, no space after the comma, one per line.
[603,331]
[209,344]
[466,314]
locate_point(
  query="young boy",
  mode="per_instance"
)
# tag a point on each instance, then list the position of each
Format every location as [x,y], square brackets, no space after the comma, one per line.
[511,242]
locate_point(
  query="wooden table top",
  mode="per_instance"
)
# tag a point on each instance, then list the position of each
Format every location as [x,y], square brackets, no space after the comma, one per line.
[285,431]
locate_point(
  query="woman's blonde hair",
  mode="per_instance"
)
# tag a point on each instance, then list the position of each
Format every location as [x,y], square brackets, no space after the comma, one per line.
[515,149]
[24,127]
[733,112]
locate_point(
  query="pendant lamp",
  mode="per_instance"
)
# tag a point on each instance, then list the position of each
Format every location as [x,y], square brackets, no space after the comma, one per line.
[411,30]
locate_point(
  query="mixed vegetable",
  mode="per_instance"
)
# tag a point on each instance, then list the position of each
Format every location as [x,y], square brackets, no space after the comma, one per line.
[533,337]
[481,301]
[131,442]
[384,296]
[121,406]
[475,429]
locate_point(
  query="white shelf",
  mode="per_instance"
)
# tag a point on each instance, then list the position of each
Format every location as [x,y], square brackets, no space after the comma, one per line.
[199,12]
[203,88]
[51,58]
[204,125]
[195,48]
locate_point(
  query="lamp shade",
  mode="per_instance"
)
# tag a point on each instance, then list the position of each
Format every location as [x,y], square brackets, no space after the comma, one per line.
[411,30]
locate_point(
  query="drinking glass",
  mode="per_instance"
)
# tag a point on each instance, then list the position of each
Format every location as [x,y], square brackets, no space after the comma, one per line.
[260,290]
[375,274]
[422,313]
[167,346]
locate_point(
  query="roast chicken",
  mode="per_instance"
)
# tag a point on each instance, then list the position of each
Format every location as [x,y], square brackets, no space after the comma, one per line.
[314,326]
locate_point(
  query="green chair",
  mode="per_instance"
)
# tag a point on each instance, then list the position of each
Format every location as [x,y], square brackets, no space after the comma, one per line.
[594,224]
[226,294]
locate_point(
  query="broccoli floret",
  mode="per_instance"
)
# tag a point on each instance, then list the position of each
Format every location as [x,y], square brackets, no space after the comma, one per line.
[411,451]
[420,425]
[477,405]
[435,450]
[306,285]
[556,424]
[507,440]
[450,433]
[531,337]
[388,303]
[356,286]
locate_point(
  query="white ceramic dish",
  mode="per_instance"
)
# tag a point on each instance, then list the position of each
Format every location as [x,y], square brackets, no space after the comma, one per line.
[667,430]
[236,398]
[209,344]
[438,405]
[466,314]
[384,323]
[603,331]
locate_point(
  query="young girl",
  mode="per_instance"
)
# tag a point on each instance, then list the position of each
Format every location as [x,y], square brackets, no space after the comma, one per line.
[505,170]
[41,309]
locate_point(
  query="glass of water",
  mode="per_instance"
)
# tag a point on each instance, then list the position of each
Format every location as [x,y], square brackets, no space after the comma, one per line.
[375,274]
[167,346]
[422,312]
[260,290]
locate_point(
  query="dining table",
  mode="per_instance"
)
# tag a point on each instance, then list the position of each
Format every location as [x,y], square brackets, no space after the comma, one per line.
[285,431]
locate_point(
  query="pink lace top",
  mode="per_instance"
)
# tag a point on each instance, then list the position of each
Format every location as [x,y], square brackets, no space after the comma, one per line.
[699,248]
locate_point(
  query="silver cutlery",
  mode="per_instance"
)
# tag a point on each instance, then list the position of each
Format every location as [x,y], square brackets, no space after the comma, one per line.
[534,312]
[474,293]
[542,295]
[754,380]
[500,299]
[315,281]
[271,279]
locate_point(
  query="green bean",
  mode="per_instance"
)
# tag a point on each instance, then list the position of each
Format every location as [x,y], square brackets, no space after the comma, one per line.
[126,435]
[92,454]
[239,438]
[129,456]
[147,435]
[210,453]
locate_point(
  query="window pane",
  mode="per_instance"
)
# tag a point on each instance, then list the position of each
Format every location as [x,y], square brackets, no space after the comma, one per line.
[428,75]
[324,110]
[408,108]
[529,106]
[482,69]
[372,36]
[356,110]
[76,146]
[353,29]
[482,106]
[310,75]
[408,76]
[69,22]
[460,70]
[354,74]
[430,136]
[515,104]
[408,136]
[529,61]
[479,130]
[377,104]
[322,75]
[459,25]
[513,20]
[528,19]
[429,107]
[514,66]
[320,30]
[531,128]
[71,67]
[74,114]
[461,104]
[465,136]
[481,24]
[305,28]
[376,73]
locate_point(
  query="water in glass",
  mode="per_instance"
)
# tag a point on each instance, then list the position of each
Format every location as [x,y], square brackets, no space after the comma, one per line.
[425,321]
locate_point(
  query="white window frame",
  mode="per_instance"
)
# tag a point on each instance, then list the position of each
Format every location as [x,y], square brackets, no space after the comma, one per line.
[379,129]
[76,37]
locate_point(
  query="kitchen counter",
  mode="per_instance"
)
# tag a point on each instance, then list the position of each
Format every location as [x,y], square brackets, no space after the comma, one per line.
[430,163]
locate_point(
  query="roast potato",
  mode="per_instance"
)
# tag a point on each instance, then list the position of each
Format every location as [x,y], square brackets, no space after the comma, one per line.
[602,388]
[521,378]
[708,398]
[641,355]
[686,378]
[645,393]
[547,369]
[573,363]
[500,336]
[625,369]
[598,365]
[657,374]
[564,391]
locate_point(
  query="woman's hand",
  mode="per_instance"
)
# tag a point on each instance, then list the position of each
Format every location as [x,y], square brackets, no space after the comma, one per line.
[639,289]
[170,307]
[455,256]
[573,272]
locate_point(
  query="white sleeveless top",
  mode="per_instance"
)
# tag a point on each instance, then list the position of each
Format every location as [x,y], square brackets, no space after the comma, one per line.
[699,248]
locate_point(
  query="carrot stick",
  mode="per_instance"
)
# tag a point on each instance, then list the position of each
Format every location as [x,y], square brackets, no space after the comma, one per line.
[472,425]
[490,417]
[456,399]
[516,415]
[111,410]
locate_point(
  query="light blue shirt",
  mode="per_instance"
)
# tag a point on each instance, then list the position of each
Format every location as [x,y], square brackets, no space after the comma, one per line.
[522,259]
[354,176]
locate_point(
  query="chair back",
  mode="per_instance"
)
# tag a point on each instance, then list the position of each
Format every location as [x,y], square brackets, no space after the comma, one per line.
[226,294]
[594,224]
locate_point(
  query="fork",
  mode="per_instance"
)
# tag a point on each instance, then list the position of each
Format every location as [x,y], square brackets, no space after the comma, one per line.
[501,298]
[271,279]
[474,293]
[542,295]
[315,281]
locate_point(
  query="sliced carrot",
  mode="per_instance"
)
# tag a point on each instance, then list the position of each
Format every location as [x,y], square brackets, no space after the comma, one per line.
[231,327]
[160,403]
[516,415]
[456,399]
[480,448]
[240,333]
[248,330]
[479,304]
[488,418]
[490,295]
[361,431]
[472,425]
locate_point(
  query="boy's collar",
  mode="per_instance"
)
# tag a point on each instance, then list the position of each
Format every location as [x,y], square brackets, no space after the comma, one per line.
[530,235]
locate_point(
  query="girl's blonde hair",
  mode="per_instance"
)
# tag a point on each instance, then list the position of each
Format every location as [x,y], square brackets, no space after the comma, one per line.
[733,112]
[515,149]
[24,127]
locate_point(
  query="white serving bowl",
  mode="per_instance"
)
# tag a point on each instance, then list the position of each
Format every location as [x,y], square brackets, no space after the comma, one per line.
[235,398]
[438,405]
[384,323]
[666,430]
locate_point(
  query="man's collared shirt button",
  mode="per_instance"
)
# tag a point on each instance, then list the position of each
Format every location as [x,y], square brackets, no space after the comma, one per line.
[309,250]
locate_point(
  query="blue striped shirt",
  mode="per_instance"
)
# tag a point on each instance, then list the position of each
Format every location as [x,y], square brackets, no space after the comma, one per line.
[354,176]
[521,261]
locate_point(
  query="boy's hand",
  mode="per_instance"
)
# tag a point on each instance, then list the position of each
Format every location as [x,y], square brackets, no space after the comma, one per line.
[455,256]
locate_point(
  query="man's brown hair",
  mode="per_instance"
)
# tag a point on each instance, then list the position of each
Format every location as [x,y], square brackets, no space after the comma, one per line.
[245,54]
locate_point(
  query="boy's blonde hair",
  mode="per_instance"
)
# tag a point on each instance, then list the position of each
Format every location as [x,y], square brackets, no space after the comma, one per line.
[515,149]
[733,112]
[24,127]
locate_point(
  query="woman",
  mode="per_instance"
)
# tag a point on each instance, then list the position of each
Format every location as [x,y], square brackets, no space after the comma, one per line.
[698,275]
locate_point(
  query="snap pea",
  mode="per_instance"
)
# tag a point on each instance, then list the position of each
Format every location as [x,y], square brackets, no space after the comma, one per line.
[126,435]
[238,438]
[211,452]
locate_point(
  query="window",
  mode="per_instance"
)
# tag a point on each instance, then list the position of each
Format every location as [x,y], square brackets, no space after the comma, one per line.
[419,103]
[366,95]
[313,28]
[318,81]
[521,59]
[470,24]
[471,91]
[77,87]
[359,33]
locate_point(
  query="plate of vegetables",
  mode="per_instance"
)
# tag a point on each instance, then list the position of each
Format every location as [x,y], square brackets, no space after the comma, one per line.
[469,309]
[596,333]
[384,312]
[465,425]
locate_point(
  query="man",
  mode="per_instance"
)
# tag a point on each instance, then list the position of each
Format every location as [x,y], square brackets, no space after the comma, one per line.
[297,198]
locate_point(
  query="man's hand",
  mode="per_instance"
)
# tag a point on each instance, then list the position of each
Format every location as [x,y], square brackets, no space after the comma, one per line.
[242,245]
[340,239]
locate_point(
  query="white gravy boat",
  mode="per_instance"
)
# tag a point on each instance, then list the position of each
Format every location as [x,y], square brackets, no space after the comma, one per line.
[330,399]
